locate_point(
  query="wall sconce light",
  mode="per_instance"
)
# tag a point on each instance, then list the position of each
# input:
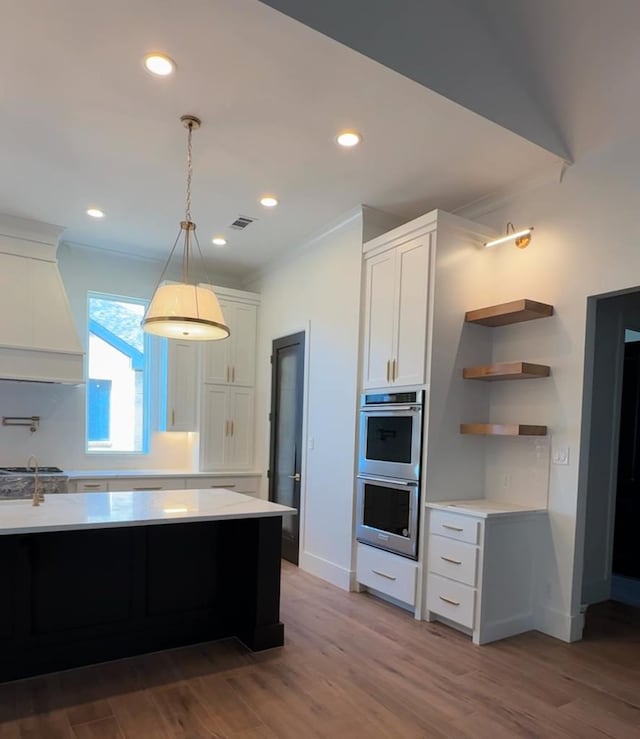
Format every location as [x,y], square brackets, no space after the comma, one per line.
[521,238]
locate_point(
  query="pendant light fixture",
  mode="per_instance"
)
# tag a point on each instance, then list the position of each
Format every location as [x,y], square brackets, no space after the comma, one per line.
[185,310]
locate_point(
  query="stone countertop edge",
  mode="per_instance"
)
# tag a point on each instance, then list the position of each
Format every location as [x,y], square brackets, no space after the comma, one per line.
[85,511]
[92,474]
[484,508]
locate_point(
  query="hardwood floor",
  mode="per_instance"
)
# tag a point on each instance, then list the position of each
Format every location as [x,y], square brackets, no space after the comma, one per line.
[352,667]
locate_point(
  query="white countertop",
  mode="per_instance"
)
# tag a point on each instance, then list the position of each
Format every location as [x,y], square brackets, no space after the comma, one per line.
[483,507]
[91,474]
[78,511]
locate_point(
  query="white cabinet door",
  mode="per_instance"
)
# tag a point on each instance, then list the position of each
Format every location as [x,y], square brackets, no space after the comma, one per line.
[217,354]
[182,384]
[410,341]
[241,437]
[243,345]
[379,319]
[215,426]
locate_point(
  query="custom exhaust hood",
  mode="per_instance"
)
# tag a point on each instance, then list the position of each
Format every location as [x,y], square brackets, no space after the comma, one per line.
[38,337]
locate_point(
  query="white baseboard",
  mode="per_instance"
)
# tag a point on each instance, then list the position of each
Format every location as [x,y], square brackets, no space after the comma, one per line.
[558,624]
[339,576]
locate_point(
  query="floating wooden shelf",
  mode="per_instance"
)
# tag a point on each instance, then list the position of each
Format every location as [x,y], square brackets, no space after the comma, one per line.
[506,371]
[496,429]
[514,312]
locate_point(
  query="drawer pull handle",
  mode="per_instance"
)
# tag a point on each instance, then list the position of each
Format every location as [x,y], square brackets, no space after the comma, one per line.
[222,486]
[158,488]
[449,601]
[453,561]
[93,487]
[451,528]
[383,574]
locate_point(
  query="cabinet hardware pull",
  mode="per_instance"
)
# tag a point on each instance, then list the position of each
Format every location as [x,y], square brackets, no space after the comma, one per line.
[232,429]
[295,477]
[227,380]
[93,486]
[173,417]
[451,528]
[388,364]
[383,574]
[448,600]
[233,373]
[150,488]
[394,369]
[222,486]
[453,561]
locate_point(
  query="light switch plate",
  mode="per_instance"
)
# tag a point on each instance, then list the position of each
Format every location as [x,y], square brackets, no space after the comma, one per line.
[560,456]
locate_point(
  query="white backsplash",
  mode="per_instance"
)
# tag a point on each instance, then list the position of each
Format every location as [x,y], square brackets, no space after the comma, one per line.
[517,469]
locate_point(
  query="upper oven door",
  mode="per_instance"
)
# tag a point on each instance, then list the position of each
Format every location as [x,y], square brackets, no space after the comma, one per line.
[390,442]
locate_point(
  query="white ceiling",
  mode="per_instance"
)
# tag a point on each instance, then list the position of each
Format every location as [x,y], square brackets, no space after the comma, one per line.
[83,124]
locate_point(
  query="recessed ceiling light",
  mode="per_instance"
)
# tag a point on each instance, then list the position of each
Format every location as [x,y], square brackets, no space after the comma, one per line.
[95,213]
[159,64]
[348,138]
[219,241]
[269,201]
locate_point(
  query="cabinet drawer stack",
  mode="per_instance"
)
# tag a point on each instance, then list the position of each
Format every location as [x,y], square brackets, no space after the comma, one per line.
[453,563]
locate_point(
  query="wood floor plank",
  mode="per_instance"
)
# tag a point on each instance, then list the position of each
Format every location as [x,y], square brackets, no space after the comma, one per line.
[106,728]
[353,667]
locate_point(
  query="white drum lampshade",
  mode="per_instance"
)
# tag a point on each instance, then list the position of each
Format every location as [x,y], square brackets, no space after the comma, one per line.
[185,311]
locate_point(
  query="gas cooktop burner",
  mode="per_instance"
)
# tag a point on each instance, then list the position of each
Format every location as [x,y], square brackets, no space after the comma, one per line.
[30,471]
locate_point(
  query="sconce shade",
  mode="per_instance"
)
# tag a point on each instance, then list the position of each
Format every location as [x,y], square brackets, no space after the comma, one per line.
[185,311]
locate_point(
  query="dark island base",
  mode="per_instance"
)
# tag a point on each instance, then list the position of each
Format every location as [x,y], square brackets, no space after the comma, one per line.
[80,597]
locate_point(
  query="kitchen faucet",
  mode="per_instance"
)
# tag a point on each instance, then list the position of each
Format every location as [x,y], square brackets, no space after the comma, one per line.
[32,463]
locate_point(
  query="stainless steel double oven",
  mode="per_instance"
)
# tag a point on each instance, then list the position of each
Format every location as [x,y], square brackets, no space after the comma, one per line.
[390,450]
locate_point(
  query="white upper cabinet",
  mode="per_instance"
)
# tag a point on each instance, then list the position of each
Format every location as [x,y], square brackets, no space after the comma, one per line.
[395,314]
[232,361]
[182,386]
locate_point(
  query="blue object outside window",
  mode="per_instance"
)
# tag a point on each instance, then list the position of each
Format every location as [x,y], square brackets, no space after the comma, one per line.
[99,410]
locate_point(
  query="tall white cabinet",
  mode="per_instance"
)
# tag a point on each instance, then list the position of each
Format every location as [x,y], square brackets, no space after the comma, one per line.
[227,391]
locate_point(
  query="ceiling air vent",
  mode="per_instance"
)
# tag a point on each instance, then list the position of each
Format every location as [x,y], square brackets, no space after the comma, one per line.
[242,222]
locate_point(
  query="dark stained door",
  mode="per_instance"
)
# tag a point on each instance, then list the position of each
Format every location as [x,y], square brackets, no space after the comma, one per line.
[285,464]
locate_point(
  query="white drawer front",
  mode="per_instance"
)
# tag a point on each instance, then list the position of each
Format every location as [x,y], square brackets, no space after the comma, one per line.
[146,483]
[454,526]
[451,599]
[454,559]
[247,485]
[388,573]
[91,486]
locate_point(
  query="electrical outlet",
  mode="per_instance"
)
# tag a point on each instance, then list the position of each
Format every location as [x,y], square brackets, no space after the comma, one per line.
[506,481]
[560,456]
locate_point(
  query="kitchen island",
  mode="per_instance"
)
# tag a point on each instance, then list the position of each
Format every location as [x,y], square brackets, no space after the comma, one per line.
[90,577]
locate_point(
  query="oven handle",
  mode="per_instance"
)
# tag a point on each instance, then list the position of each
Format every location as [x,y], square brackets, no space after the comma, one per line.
[371,478]
[387,410]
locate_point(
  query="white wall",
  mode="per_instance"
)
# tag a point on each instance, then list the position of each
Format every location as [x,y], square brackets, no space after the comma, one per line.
[318,290]
[585,243]
[60,440]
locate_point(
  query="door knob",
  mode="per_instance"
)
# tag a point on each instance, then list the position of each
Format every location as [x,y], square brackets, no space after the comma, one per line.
[295,477]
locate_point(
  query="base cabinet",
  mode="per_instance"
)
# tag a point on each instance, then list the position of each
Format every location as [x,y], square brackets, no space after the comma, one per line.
[482,573]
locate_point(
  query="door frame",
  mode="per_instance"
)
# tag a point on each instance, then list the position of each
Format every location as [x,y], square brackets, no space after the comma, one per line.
[306,332]
[593,590]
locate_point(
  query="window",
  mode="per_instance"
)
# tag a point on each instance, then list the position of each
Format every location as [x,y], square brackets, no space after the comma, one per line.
[117,377]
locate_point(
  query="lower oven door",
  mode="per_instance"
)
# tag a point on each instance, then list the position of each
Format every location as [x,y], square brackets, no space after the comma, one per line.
[387,515]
